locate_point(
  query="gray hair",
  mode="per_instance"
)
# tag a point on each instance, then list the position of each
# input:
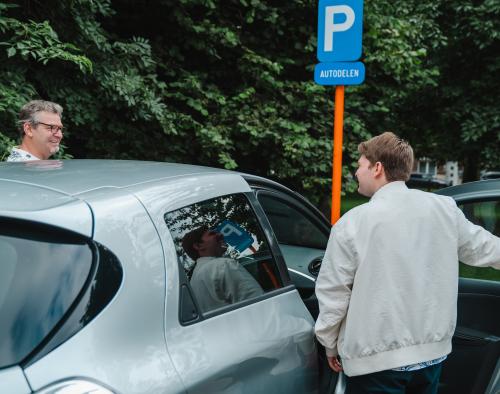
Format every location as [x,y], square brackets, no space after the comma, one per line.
[28,112]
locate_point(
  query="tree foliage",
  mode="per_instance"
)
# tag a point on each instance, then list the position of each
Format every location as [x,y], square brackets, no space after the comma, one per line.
[230,83]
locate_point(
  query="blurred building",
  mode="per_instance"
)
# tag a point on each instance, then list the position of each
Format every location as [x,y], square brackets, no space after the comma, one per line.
[429,174]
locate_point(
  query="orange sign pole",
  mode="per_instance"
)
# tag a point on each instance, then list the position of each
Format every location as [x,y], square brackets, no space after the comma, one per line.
[338,123]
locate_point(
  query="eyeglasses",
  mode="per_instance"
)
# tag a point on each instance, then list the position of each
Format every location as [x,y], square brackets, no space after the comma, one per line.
[52,127]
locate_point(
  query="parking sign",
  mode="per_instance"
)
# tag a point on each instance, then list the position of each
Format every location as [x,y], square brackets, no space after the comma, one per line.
[339,73]
[235,235]
[340,29]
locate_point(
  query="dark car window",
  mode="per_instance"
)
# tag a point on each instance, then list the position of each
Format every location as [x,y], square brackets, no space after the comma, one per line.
[223,251]
[485,214]
[291,226]
[41,275]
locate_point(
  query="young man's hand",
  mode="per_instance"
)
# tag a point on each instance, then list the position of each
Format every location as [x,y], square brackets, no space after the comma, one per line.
[335,364]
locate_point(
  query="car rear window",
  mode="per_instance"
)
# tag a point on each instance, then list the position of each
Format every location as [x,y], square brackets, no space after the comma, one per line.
[42,272]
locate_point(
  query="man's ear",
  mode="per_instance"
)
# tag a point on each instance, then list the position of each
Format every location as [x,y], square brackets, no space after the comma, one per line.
[27,129]
[196,246]
[379,169]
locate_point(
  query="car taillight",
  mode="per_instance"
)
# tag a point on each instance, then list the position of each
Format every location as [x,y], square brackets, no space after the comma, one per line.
[75,386]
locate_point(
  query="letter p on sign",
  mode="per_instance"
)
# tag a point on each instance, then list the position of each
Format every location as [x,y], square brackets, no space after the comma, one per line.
[340,28]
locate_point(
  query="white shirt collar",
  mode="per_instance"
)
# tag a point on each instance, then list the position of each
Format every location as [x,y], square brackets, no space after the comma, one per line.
[22,155]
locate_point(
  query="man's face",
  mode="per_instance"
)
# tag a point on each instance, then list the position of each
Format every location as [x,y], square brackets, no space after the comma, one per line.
[45,135]
[211,244]
[365,174]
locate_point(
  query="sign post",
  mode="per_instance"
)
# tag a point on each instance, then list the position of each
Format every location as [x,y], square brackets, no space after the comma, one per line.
[340,28]
[338,122]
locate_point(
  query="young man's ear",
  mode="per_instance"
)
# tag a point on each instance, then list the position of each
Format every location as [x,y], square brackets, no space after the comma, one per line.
[379,169]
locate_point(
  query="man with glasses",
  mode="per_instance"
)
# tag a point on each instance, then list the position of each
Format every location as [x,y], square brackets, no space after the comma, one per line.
[41,131]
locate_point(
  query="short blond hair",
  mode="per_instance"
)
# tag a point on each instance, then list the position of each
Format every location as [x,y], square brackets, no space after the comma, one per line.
[395,154]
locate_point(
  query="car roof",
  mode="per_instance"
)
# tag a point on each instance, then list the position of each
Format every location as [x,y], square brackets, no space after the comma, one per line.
[485,189]
[73,177]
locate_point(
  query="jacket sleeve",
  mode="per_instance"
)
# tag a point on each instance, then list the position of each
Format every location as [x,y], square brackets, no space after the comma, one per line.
[333,288]
[476,246]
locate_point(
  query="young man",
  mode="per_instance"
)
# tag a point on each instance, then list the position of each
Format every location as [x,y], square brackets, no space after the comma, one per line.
[41,131]
[387,288]
[217,281]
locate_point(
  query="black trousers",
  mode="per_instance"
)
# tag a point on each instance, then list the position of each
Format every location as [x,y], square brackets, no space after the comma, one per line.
[421,381]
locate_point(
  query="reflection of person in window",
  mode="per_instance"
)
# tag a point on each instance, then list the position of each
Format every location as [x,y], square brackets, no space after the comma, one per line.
[217,281]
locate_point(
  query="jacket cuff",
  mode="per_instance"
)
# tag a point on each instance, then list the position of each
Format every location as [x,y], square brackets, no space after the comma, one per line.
[331,352]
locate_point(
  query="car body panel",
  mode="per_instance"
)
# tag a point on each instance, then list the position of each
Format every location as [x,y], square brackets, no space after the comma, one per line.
[73,177]
[118,348]
[487,189]
[39,204]
[12,381]
[162,196]
[263,347]
[227,352]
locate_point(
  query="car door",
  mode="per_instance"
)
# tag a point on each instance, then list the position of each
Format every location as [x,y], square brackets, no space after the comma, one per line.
[258,341]
[302,233]
[474,366]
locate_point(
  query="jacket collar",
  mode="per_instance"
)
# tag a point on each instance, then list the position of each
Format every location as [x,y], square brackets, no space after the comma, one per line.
[389,188]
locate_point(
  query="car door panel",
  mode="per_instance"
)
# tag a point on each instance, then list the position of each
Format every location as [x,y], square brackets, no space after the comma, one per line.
[473,366]
[266,346]
[476,342]
[298,260]
[12,380]
[262,344]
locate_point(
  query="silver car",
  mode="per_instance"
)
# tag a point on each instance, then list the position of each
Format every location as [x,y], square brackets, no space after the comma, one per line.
[97,293]
[100,293]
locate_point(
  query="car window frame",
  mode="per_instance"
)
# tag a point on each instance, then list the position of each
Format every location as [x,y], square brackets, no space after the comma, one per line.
[474,200]
[187,302]
[69,323]
[302,207]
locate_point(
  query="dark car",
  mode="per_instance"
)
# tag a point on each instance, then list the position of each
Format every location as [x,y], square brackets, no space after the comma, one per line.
[420,181]
[490,175]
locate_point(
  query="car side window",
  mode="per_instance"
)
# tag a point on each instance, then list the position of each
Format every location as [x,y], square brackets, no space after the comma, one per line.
[291,226]
[223,251]
[42,272]
[485,214]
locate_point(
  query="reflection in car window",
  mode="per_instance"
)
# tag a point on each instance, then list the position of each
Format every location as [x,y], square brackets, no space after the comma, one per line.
[290,225]
[485,214]
[223,251]
[41,275]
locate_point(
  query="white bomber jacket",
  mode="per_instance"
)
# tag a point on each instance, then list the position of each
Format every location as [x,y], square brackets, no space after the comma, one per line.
[387,288]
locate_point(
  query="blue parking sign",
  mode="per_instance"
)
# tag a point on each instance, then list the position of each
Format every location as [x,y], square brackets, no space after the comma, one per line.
[235,235]
[340,30]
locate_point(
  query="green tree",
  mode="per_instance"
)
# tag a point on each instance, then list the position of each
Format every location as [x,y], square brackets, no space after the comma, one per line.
[230,83]
[465,105]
